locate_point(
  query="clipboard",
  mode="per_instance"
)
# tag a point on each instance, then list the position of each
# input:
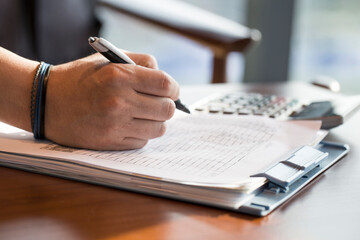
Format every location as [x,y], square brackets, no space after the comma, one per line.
[278,190]
[286,177]
[282,186]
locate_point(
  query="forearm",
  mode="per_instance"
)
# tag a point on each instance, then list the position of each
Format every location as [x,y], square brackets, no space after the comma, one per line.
[16,77]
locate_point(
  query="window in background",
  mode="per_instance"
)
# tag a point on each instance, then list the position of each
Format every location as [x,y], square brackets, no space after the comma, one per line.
[186,61]
[326,41]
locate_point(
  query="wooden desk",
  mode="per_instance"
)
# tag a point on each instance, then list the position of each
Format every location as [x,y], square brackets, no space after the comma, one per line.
[34,206]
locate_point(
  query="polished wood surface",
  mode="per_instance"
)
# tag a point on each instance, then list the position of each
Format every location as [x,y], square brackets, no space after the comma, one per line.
[219,34]
[35,206]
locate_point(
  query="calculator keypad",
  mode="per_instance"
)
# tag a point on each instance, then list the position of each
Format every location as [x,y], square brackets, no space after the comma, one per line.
[250,104]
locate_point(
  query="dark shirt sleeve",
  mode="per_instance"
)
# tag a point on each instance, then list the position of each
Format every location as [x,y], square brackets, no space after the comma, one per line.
[60,30]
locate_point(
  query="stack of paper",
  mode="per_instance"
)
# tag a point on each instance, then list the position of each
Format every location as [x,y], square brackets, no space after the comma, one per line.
[201,158]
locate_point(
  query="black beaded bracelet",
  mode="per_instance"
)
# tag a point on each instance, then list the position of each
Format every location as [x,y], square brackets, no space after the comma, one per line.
[38,98]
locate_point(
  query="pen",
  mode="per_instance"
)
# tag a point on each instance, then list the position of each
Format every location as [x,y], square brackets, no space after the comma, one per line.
[115,55]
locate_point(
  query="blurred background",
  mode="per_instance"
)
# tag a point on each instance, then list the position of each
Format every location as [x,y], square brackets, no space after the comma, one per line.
[301,39]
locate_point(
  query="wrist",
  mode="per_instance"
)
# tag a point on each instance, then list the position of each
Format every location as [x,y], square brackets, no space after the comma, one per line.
[16,77]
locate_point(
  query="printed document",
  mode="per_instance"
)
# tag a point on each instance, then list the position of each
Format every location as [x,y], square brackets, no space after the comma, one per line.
[200,150]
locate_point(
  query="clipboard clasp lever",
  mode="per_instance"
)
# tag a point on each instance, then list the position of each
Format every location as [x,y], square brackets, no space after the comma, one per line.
[292,167]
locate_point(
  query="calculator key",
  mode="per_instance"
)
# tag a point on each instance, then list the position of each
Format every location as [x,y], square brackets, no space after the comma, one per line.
[259,112]
[228,101]
[229,110]
[244,112]
[214,109]
[201,109]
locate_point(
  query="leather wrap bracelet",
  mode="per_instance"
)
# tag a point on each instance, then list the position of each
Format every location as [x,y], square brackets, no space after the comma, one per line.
[38,99]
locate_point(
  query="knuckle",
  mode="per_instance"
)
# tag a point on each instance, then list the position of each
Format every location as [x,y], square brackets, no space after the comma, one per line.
[148,57]
[110,70]
[151,58]
[169,109]
[165,82]
[162,129]
[109,76]
[114,105]
[117,76]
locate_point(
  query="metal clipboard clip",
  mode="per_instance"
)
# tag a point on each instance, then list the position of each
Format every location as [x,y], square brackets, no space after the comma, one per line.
[293,166]
[292,173]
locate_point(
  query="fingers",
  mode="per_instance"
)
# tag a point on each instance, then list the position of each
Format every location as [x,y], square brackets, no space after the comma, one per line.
[144,60]
[141,79]
[127,143]
[152,107]
[130,143]
[134,135]
[140,92]
[155,82]
[145,129]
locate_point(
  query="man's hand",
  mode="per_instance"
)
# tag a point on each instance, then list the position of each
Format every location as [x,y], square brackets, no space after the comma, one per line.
[91,103]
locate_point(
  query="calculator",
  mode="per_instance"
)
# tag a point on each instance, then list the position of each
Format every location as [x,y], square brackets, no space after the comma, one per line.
[273,106]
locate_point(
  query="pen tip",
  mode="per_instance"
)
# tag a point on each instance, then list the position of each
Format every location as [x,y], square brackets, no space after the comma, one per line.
[185,109]
[181,106]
